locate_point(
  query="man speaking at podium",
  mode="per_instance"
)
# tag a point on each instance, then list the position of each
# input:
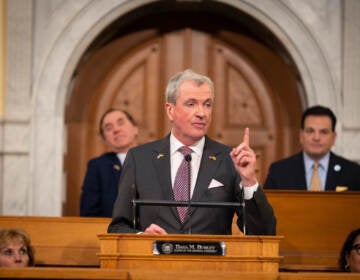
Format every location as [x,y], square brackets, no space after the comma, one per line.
[188,166]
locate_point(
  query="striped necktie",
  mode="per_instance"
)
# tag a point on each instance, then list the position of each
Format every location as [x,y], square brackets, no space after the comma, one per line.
[182,181]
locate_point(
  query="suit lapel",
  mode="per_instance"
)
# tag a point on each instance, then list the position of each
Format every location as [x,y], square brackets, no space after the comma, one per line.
[209,163]
[113,164]
[300,172]
[161,160]
[331,177]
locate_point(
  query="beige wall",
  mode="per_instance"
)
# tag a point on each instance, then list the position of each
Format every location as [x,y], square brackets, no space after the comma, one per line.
[2,54]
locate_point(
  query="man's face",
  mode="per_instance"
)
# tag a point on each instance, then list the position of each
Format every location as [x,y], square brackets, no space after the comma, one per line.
[191,115]
[119,133]
[317,137]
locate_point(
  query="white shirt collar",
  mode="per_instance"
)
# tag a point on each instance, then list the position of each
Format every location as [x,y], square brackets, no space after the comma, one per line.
[323,162]
[197,147]
[121,157]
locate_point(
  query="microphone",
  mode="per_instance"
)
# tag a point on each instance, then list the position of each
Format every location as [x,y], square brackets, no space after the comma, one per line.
[188,159]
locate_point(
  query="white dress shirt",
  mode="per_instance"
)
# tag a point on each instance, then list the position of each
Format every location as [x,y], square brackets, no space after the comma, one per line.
[176,158]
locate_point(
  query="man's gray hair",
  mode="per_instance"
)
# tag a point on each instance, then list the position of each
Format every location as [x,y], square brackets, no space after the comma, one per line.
[172,88]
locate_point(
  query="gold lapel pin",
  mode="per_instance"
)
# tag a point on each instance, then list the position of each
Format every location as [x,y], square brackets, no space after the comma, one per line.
[160,156]
[212,157]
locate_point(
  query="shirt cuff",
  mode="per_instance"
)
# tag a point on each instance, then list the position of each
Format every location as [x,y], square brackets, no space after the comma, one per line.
[249,191]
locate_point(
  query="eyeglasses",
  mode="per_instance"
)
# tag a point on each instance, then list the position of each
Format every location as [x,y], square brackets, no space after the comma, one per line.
[356,247]
[10,252]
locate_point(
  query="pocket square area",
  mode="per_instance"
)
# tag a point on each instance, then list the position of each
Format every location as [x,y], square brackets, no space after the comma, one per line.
[341,188]
[215,184]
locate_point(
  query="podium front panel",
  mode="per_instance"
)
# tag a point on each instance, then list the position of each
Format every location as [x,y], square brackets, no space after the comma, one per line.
[242,253]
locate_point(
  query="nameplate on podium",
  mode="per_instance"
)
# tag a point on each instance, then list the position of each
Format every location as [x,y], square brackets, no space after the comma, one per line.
[169,247]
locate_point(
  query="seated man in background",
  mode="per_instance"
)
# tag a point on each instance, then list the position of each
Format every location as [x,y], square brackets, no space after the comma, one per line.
[315,168]
[15,249]
[119,131]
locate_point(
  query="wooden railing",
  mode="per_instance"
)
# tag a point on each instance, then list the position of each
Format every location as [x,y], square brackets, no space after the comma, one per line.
[314,226]
[140,274]
[62,241]
[73,273]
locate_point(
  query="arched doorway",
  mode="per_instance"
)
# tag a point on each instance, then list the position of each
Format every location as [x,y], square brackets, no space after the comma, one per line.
[255,85]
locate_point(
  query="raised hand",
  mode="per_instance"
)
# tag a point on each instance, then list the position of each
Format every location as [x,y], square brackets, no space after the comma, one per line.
[244,160]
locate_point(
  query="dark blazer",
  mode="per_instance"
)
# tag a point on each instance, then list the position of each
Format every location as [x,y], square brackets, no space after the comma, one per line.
[146,175]
[289,173]
[100,186]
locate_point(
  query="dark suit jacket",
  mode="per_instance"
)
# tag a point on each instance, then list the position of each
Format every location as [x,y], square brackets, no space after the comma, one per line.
[147,172]
[289,173]
[100,186]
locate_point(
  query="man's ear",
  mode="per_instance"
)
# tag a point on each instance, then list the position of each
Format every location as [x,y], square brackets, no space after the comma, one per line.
[335,135]
[300,136]
[169,108]
[137,131]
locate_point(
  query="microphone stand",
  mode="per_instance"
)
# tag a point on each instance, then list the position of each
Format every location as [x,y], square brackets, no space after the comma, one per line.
[242,203]
[134,212]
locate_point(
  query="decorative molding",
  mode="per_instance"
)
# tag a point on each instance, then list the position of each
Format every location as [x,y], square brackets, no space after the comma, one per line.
[351,66]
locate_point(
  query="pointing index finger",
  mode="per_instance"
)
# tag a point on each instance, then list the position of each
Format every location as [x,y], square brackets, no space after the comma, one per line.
[246,136]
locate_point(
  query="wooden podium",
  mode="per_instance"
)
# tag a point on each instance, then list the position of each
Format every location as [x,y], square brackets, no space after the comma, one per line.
[242,253]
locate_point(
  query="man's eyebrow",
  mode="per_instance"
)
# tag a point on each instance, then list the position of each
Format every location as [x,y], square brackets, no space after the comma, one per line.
[190,99]
[198,100]
[107,124]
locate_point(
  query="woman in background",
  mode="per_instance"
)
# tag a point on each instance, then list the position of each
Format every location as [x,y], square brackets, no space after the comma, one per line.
[349,260]
[15,248]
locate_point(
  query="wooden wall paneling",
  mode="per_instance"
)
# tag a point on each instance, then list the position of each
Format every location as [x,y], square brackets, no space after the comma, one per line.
[134,78]
[243,99]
